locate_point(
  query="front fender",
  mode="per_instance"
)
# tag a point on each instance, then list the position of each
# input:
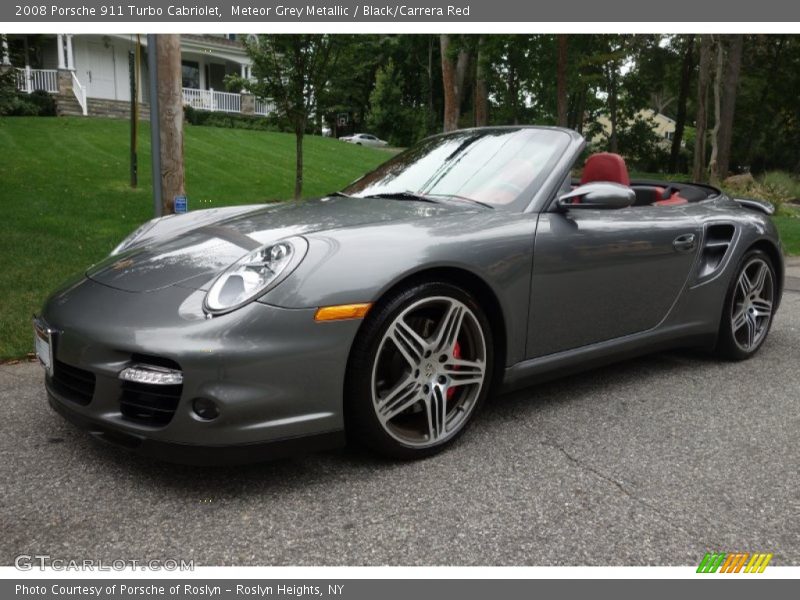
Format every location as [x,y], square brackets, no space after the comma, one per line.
[360,264]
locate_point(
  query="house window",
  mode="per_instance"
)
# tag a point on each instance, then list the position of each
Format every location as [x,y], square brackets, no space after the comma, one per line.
[190,74]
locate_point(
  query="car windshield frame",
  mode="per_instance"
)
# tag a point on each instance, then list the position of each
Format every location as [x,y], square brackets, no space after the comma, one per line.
[447,164]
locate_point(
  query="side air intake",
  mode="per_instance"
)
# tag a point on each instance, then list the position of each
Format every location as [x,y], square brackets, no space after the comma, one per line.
[716,242]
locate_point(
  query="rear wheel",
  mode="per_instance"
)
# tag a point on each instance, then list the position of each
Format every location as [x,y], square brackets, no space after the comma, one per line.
[748,311]
[419,370]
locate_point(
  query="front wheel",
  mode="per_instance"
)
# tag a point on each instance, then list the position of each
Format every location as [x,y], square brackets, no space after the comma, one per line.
[749,306]
[419,370]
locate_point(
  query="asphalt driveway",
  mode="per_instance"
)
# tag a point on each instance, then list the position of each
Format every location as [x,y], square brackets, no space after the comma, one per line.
[654,461]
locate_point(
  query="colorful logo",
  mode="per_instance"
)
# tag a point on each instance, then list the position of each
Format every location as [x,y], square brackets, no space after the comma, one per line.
[734,562]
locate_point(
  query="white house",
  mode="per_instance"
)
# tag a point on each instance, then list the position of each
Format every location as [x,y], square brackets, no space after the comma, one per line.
[94,70]
[662,125]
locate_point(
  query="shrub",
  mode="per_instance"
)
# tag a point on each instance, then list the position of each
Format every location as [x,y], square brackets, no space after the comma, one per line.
[44,102]
[13,103]
[8,91]
[785,181]
[18,106]
[207,118]
[777,187]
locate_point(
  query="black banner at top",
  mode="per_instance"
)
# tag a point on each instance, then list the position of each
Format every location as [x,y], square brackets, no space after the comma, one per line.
[419,11]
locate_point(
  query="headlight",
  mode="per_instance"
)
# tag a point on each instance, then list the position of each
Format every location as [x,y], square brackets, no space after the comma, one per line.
[139,232]
[254,274]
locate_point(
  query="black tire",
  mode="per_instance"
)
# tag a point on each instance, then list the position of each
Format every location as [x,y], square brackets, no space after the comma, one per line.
[361,420]
[728,346]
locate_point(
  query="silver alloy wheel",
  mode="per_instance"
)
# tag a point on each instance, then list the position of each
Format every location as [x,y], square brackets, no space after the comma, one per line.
[429,371]
[751,310]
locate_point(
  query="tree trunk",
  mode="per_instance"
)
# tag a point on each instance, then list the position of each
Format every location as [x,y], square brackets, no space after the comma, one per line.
[431,112]
[298,173]
[683,94]
[576,121]
[451,99]
[698,170]
[730,84]
[481,89]
[170,119]
[462,68]
[561,81]
[713,165]
[613,145]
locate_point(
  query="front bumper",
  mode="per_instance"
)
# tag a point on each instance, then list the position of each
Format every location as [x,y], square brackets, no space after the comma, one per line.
[193,454]
[275,374]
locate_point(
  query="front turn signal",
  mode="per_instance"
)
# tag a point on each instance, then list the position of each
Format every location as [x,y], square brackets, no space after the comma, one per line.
[342,312]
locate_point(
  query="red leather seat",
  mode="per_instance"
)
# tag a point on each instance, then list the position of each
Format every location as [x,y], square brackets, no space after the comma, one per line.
[605,166]
[674,200]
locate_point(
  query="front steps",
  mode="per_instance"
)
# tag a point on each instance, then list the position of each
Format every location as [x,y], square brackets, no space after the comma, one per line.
[68,106]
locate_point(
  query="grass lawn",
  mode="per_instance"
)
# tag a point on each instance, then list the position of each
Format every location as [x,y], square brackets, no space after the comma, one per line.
[66,200]
[789,226]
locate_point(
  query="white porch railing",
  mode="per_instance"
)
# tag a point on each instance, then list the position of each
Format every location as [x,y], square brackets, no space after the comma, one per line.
[80,93]
[264,107]
[212,100]
[30,80]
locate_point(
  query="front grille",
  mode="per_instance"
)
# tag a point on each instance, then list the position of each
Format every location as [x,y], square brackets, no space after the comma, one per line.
[149,404]
[73,383]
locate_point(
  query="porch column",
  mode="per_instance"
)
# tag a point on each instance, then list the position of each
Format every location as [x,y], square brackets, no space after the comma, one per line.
[64,76]
[64,82]
[248,103]
[60,49]
[70,59]
[244,76]
[201,68]
[6,58]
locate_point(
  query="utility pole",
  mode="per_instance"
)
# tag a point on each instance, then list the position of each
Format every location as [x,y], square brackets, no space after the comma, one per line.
[155,135]
[169,117]
[133,71]
[170,108]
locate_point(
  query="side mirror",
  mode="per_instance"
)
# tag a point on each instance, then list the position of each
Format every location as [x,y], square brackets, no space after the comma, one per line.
[599,194]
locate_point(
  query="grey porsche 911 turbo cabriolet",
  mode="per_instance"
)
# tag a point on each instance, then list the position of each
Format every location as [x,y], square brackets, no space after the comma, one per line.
[469,264]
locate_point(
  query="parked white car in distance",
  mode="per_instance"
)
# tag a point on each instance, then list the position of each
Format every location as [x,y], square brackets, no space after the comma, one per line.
[364,139]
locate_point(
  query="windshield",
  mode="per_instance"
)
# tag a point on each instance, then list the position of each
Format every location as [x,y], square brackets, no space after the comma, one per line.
[494,166]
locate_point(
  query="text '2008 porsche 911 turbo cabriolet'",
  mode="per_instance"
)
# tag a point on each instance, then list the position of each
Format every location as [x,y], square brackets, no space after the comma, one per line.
[469,264]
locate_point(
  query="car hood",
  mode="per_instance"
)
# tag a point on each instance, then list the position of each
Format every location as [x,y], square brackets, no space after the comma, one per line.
[194,257]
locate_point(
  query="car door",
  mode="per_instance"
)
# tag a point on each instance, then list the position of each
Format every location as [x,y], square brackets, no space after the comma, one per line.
[600,274]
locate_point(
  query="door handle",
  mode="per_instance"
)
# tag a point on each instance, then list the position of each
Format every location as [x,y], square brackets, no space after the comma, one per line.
[684,243]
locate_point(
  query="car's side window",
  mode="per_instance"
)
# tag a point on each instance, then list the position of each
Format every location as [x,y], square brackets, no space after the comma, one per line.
[566,185]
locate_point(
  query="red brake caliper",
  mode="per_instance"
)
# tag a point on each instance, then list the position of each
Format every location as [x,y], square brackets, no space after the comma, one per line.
[456,354]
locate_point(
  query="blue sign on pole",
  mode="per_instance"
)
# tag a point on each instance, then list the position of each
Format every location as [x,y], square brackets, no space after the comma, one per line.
[181,204]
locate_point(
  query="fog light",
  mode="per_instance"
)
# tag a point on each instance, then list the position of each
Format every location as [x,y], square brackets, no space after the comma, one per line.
[205,409]
[152,374]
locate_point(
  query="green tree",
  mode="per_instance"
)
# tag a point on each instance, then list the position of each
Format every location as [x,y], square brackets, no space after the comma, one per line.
[351,77]
[387,116]
[291,70]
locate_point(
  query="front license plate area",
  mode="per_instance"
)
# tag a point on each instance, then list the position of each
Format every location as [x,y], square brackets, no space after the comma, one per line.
[43,344]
